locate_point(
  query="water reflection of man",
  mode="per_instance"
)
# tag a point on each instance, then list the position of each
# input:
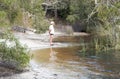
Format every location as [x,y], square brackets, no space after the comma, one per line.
[53,56]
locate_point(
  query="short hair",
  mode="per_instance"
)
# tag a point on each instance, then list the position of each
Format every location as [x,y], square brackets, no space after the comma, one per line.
[52,22]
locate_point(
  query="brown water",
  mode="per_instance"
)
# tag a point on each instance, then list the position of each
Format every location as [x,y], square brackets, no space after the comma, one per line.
[65,61]
[72,39]
[68,63]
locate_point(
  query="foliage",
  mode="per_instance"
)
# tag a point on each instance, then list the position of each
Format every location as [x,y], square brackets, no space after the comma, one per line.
[39,23]
[102,18]
[3,19]
[75,10]
[12,51]
[14,14]
[108,15]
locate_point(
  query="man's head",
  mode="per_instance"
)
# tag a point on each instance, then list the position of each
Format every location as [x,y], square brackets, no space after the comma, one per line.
[52,23]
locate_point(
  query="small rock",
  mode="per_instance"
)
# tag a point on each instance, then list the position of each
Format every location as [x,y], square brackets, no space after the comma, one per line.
[55,74]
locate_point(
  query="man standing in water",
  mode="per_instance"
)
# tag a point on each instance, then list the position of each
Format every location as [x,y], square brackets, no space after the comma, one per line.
[51,32]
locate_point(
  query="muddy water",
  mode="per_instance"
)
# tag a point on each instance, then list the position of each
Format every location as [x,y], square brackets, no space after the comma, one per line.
[68,63]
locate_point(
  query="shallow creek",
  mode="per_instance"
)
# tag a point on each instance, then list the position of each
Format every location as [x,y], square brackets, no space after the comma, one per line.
[64,61]
[69,63]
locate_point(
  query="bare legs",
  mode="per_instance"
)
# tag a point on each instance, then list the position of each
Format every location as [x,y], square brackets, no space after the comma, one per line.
[51,39]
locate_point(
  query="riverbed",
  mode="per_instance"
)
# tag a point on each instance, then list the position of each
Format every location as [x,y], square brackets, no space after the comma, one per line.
[64,60]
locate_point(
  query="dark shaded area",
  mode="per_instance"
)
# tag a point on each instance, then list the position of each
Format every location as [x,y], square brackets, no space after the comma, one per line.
[10,68]
[61,13]
[79,26]
[3,6]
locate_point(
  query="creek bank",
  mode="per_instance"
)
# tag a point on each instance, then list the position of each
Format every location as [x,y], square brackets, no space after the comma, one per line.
[33,42]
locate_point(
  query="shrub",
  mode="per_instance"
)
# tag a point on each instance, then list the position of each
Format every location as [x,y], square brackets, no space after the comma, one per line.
[12,51]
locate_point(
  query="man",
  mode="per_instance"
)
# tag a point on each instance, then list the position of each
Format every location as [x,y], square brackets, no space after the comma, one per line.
[51,32]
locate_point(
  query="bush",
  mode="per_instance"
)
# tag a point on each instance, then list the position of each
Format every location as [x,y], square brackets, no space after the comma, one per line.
[41,27]
[12,51]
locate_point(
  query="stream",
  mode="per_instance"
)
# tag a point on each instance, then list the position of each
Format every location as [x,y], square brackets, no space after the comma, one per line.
[69,63]
[64,61]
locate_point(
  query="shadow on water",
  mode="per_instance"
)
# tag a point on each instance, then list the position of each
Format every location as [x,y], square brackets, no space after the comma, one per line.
[71,64]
